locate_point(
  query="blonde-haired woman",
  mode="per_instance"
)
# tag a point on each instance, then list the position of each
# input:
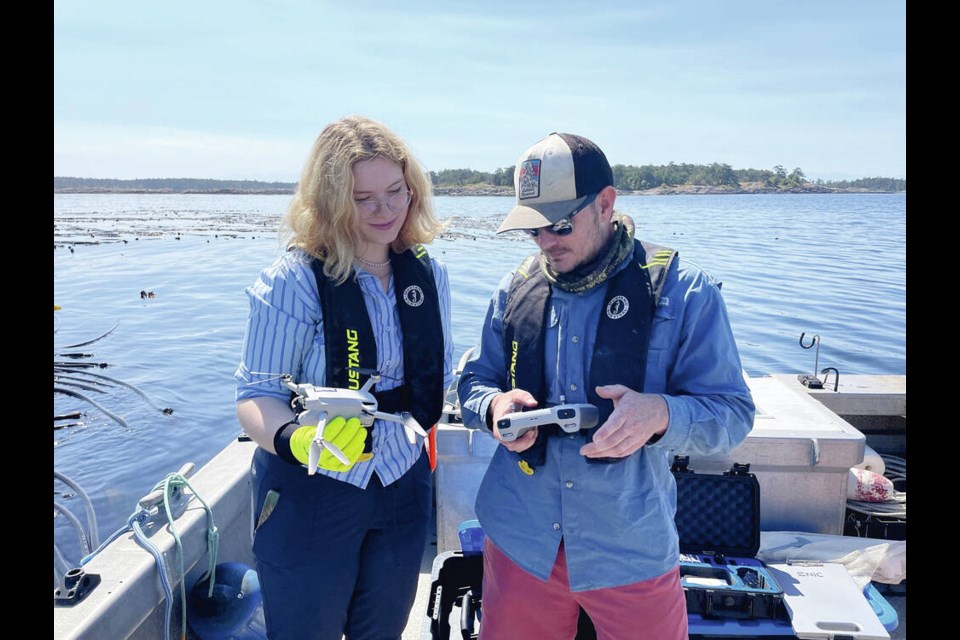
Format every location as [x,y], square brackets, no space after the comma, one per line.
[338,549]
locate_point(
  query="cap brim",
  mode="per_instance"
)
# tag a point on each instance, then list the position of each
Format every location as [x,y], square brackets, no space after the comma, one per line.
[539,215]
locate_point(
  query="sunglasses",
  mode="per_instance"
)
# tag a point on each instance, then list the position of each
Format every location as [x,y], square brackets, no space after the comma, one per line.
[564,227]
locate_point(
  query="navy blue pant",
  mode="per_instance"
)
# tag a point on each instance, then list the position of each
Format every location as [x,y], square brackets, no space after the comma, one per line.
[335,560]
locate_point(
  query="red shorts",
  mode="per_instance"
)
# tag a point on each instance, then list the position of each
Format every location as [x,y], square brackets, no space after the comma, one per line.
[520,606]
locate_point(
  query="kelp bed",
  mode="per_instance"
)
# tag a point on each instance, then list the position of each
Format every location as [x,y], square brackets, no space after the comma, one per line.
[74,376]
[72,229]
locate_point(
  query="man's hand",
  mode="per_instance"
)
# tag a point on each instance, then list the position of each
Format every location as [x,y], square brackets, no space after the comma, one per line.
[636,418]
[511,402]
[347,435]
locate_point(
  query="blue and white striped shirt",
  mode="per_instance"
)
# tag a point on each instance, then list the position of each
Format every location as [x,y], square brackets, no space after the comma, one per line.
[284,334]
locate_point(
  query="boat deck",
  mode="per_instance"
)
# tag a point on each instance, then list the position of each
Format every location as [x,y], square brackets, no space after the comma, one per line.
[417,629]
[128,604]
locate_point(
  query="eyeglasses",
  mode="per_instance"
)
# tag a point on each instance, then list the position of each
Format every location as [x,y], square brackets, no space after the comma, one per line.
[395,201]
[564,227]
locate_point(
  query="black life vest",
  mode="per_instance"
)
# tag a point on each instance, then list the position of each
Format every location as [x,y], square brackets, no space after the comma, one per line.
[623,333]
[351,346]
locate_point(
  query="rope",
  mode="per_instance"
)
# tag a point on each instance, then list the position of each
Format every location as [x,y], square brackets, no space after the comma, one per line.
[172,481]
[135,523]
[164,580]
[141,515]
[894,468]
[895,506]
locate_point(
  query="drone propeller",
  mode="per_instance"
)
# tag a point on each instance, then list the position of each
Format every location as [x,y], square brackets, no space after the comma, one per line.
[410,424]
[412,427]
[319,444]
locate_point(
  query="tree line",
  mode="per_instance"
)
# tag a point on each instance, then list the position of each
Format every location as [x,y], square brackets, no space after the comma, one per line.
[625,177]
[633,178]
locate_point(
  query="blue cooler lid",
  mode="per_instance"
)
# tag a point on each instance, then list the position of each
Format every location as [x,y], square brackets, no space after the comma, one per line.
[471,537]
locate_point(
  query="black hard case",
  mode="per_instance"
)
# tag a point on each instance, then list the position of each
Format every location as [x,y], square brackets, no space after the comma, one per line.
[718,522]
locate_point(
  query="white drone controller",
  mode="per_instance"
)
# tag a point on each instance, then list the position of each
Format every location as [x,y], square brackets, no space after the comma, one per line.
[569,417]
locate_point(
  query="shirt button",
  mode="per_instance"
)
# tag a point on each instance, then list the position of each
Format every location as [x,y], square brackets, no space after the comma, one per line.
[569,484]
[573,387]
[575,339]
[556,526]
[376,449]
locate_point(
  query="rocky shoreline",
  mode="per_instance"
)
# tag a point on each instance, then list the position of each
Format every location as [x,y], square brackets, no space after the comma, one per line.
[664,190]
[489,190]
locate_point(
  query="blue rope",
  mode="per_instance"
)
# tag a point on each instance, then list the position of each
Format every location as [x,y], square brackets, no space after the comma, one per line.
[134,523]
[164,579]
[140,517]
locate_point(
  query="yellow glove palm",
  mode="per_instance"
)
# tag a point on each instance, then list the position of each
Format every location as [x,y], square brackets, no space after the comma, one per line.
[347,435]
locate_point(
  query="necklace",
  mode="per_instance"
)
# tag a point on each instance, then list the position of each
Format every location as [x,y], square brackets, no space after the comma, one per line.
[370,263]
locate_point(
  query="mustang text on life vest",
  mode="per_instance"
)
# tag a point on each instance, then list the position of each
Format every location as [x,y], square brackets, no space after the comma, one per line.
[353,359]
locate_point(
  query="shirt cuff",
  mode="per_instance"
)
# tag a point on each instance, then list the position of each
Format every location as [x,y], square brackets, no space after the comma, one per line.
[485,407]
[678,424]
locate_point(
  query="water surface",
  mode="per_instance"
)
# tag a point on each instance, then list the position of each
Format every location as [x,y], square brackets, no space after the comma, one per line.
[832,265]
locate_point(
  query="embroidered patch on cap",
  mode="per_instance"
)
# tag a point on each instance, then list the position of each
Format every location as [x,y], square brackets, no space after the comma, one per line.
[413,295]
[529,179]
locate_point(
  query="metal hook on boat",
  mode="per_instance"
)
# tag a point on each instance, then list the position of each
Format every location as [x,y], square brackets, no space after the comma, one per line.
[807,380]
[177,501]
[814,342]
[836,380]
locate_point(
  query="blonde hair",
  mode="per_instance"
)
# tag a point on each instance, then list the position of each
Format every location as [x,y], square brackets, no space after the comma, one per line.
[322,219]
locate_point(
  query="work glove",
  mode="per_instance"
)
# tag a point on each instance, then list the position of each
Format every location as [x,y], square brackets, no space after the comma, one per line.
[347,435]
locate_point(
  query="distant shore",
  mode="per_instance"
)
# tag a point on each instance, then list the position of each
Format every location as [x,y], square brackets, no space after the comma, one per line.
[490,190]
[663,190]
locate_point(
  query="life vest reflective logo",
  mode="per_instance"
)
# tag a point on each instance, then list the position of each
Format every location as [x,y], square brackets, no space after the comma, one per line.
[413,295]
[353,359]
[527,265]
[617,307]
[660,258]
[515,346]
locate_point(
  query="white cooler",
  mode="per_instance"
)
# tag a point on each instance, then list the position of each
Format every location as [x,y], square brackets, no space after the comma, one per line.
[801,453]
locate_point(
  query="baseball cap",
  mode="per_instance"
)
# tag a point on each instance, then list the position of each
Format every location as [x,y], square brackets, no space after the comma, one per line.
[558,175]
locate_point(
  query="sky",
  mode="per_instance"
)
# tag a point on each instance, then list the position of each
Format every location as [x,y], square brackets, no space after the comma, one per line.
[240,89]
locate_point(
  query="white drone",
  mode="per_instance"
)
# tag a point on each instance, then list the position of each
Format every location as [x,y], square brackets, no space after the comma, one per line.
[318,403]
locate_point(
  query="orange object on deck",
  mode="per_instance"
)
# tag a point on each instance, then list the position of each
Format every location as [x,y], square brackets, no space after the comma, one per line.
[432,448]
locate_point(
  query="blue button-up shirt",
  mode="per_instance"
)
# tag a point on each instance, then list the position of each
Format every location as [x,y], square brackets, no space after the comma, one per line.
[284,334]
[616,520]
